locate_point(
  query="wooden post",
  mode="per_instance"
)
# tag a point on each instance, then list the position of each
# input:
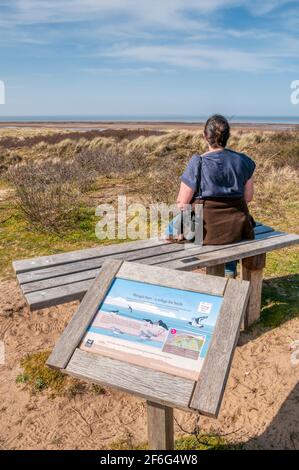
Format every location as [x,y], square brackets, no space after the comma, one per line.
[217,270]
[252,271]
[160,426]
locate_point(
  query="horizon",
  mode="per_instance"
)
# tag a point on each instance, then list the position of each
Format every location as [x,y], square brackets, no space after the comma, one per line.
[131,58]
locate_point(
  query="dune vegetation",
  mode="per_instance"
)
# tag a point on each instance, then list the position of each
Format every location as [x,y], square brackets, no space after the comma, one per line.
[51,182]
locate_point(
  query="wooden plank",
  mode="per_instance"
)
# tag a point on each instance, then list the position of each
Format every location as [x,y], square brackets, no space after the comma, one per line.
[76,328]
[235,252]
[210,387]
[169,278]
[66,293]
[48,297]
[217,270]
[160,428]
[149,255]
[57,281]
[58,295]
[252,271]
[147,383]
[30,264]
[90,268]
[92,257]
[95,263]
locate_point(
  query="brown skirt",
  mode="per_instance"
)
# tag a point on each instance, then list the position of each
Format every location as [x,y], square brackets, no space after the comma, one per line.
[226,220]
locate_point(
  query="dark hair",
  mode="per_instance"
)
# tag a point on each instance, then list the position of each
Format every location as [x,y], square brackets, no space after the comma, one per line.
[217,131]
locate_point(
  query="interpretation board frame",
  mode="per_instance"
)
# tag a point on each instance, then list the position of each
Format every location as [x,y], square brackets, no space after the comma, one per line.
[162,391]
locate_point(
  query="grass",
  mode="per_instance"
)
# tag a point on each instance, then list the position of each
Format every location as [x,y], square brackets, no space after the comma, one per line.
[36,376]
[190,442]
[276,200]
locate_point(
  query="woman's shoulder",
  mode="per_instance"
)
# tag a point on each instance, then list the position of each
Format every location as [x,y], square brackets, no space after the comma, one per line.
[241,155]
[195,160]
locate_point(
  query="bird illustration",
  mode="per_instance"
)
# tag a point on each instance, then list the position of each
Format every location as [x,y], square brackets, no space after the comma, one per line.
[117,331]
[145,335]
[148,320]
[196,321]
[162,324]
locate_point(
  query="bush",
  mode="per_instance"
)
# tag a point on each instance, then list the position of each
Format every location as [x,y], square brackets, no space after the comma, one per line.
[48,193]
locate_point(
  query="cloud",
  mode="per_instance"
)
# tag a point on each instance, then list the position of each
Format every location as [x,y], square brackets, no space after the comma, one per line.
[197,56]
[119,70]
[156,32]
[144,307]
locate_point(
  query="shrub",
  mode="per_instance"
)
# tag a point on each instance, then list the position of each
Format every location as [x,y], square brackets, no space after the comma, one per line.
[48,193]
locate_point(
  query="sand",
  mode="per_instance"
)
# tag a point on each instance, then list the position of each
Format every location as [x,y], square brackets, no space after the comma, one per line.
[131,125]
[260,406]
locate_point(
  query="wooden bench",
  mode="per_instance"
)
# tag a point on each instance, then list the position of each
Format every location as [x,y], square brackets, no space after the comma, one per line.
[52,280]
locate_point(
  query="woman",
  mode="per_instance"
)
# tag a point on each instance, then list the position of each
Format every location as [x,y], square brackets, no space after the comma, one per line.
[221,180]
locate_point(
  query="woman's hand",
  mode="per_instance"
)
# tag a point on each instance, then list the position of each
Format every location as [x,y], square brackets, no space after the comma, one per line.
[184,197]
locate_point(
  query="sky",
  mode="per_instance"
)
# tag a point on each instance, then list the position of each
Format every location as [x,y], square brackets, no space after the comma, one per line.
[149,57]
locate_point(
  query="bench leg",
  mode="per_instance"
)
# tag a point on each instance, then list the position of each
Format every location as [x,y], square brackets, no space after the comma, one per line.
[252,271]
[160,426]
[217,270]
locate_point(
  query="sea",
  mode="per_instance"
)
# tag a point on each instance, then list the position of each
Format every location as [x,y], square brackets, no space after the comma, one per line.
[151,118]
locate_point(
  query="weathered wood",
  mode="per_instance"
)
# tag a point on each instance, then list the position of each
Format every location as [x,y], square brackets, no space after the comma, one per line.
[89,268]
[89,254]
[217,270]
[58,295]
[210,387]
[75,291]
[255,262]
[81,255]
[252,271]
[76,328]
[169,278]
[160,428]
[231,253]
[146,383]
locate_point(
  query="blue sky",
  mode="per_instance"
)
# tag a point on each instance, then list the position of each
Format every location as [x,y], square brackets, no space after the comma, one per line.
[149,57]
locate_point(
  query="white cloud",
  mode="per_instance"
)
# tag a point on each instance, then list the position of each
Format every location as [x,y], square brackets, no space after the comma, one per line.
[171,13]
[147,25]
[120,70]
[201,57]
[144,307]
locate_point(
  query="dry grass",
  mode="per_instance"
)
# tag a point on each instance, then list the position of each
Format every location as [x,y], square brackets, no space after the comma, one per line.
[145,168]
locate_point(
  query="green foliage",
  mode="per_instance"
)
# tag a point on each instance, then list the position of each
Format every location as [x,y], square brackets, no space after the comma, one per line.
[38,376]
[204,442]
[280,300]
[189,442]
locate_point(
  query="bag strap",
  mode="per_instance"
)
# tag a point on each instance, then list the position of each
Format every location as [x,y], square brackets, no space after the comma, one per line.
[199,176]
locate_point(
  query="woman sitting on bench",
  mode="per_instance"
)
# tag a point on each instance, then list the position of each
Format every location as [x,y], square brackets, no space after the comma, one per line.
[222,180]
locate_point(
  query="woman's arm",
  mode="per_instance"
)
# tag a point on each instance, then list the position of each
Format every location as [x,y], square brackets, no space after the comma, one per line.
[185,196]
[248,190]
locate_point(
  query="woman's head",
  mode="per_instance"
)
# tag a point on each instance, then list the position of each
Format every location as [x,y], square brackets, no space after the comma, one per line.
[217,131]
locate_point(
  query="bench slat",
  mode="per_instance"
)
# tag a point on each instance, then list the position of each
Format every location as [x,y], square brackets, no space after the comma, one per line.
[91,255]
[21,266]
[75,291]
[54,277]
[174,250]
[274,242]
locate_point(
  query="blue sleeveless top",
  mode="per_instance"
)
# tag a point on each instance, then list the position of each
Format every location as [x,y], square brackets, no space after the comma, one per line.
[222,173]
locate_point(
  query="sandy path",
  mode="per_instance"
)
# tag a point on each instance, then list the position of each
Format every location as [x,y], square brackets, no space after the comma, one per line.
[260,406]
